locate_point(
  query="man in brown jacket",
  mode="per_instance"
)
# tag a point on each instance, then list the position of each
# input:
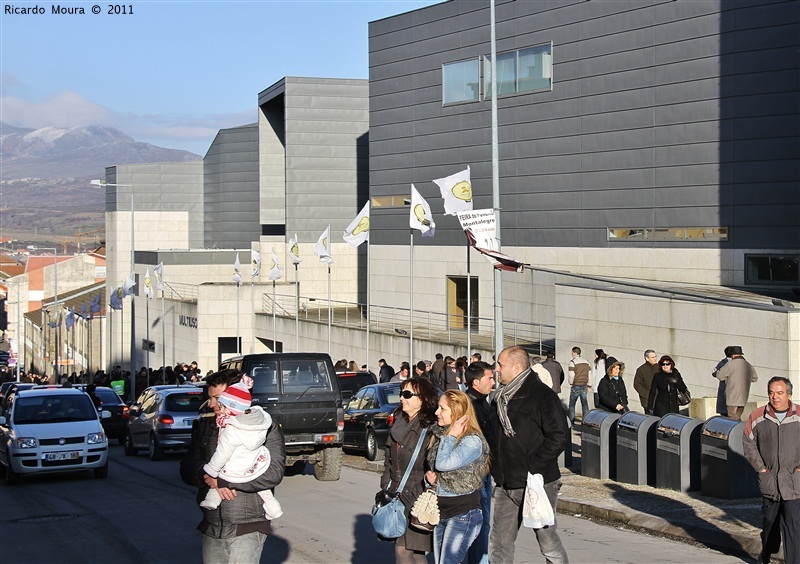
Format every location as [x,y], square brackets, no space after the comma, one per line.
[772,447]
[644,376]
[737,374]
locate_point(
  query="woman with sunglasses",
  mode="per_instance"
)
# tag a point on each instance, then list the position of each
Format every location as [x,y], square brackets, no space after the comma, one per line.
[418,404]
[667,381]
[459,458]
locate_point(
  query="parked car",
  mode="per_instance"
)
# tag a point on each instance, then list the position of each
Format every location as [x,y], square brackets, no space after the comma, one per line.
[368,417]
[301,392]
[52,430]
[115,425]
[351,382]
[161,419]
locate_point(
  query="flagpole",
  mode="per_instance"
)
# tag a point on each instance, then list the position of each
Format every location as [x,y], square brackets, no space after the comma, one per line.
[367,304]
[296,311]
[238,341]
[499,341]
[469,304]
[147,315]
[274,321]
[411,303]
[253,315]
[329,309]
[163,337]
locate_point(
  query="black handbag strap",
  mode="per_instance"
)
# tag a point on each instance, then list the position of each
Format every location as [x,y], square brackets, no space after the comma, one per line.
[402,483]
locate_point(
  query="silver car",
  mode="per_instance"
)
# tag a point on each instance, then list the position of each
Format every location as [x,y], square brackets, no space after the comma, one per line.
[161,419]
[52,430]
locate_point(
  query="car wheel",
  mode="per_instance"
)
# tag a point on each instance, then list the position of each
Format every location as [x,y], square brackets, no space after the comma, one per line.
[12,478]
[156,452]
[128,445]
[329,467]
[372,445]
[101,472]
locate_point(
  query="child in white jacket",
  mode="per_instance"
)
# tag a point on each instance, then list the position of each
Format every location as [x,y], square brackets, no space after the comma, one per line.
[241,455]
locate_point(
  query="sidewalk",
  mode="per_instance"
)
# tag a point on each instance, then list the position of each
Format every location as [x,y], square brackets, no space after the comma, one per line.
[733,526]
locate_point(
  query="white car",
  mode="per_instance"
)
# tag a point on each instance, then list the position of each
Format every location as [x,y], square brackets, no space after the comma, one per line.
[52,430]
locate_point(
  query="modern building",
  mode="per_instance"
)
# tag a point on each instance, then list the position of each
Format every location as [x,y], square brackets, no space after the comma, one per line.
[649,170]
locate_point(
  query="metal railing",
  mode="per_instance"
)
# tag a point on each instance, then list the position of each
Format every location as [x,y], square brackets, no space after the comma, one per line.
[181,292]
[429,325]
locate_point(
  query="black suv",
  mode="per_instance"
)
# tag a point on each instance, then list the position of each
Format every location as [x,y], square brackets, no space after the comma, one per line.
[301,392]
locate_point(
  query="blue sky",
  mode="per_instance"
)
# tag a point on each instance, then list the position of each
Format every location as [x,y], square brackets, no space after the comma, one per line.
[174,73]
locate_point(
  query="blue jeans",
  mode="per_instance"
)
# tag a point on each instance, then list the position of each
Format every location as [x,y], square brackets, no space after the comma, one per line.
[233,550]
[478,553]
[574,393]
[452,536]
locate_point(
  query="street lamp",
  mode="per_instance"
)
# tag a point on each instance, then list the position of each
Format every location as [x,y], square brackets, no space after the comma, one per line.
[55,303]
[103,183]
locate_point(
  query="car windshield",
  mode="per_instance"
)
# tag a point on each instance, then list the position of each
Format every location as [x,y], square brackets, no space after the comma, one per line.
[108,396]
[53,409]
[184,403]
[391,394]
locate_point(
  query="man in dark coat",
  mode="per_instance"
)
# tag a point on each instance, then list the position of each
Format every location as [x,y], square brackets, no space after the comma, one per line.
[236,530]
[386,372]
[529,432]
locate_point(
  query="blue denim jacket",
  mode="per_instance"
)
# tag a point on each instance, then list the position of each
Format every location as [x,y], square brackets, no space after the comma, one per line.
[451,456]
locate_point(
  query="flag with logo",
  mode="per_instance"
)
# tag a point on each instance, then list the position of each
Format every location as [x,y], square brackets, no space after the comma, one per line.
[116,298]
[130,285]
[56,320]
[275,269]
[159,272]
[148,287]
[480,227]
[323,247]
[294,250]
[358,230]
[237,271]
[457,192]
[420,217]
[255,262]
[70,320]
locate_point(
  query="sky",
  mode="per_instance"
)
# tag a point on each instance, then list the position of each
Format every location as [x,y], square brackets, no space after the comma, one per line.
[172,73]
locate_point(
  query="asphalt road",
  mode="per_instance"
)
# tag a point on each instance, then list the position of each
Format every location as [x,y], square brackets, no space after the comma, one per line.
[143,513]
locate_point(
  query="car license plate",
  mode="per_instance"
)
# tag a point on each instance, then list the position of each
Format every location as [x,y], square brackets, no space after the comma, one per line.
[69,455]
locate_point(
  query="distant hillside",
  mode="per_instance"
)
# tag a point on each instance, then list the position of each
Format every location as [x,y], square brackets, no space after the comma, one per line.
[45,193]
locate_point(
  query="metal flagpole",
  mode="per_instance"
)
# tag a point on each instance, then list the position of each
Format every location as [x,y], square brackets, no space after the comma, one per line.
[411,304]
[296,311]
[147,318]
[274,321]
[499,341]
[469,305]
[163,335]
[253,314]
[238,340]
[329,309]
[367,303]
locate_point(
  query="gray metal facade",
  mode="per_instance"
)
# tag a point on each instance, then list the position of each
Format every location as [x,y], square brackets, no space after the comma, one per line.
[319,128]
[230,173]
[662,114]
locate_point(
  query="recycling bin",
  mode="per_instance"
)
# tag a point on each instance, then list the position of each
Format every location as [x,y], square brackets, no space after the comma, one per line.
[678,453]
[724,471]
[636,449]
[565,458]
[599,444]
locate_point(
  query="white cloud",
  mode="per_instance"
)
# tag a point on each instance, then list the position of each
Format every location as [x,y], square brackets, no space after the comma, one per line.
[69,109]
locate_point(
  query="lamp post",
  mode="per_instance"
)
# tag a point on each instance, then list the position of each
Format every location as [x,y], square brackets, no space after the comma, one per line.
[103,183]
[55,303]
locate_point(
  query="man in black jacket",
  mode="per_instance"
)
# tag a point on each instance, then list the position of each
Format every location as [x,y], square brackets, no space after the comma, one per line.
[480,383]
[386,372]
[529,431]
[236,530]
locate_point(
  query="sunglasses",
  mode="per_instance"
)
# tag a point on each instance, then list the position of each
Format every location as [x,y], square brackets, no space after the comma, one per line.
[407,394]
[666,364]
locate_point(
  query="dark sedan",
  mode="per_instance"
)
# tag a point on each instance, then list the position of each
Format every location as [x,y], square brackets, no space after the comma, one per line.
[115,425]
[368,417]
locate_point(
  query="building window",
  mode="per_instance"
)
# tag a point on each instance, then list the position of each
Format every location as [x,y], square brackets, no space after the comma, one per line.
[697,234]
[461,81]
[524,70]
[772,269]
[393,201]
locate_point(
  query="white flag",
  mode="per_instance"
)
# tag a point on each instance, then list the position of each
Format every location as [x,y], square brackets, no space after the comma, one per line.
[323,247]
[255,261]
[294,250]
[159,272]
[275,269]
[237,271]
[457,192]
[358,230]
[421,217]
[148,287]
[129,285]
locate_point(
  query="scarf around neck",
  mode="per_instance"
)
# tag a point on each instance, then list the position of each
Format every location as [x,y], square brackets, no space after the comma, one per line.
[504,396]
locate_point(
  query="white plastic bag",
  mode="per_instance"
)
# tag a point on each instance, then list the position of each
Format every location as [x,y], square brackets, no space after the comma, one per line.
[537,512]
